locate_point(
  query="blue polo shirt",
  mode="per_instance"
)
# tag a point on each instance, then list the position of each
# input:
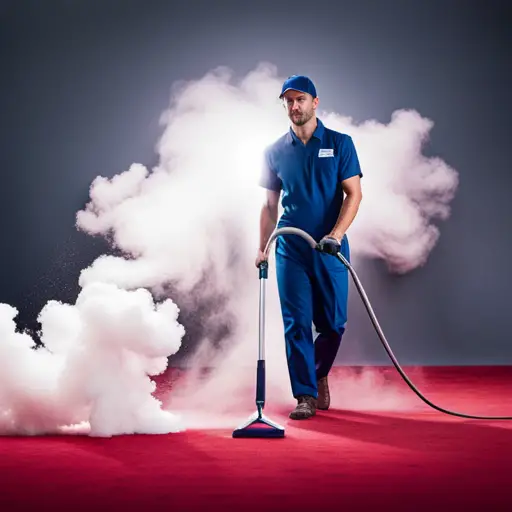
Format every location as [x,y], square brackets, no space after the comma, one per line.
[309,177]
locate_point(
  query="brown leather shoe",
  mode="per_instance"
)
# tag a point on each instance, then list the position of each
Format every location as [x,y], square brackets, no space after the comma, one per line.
[306,407]
[324,397]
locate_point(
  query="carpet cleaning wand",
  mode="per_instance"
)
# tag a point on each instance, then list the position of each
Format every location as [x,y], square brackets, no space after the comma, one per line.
[258,425]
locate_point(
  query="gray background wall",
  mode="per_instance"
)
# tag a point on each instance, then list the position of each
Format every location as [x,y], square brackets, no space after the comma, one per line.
[83,85]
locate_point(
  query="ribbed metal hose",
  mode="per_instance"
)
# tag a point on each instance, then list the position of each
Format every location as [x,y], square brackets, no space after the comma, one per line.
[315,246]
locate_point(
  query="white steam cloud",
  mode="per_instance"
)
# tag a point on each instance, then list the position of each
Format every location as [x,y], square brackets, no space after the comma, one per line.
[191,224]
[92,373]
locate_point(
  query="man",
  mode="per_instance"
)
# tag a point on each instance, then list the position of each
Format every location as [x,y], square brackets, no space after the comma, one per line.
[313,167]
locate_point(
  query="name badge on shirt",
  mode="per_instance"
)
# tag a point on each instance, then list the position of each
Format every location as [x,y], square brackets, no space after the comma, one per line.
[323,153]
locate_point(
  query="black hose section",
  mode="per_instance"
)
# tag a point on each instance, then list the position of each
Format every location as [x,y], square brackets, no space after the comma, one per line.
[382,338]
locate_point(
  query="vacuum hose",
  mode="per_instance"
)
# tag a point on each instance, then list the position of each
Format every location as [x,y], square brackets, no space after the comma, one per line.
[314,245]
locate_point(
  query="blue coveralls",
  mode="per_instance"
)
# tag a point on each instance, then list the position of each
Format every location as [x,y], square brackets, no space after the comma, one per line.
[313,286]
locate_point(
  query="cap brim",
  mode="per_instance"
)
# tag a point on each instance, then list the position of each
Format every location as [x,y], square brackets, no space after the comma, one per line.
[292,89]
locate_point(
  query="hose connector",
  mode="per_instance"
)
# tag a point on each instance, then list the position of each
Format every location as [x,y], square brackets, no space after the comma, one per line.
[328,245]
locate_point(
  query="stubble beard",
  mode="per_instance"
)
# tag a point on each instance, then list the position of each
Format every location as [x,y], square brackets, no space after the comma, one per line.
[302,119]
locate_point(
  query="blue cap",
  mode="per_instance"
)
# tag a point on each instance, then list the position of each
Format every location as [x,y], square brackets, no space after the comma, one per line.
[299,83]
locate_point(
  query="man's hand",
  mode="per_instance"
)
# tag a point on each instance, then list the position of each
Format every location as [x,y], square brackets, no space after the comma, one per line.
[329,245]
[260,257]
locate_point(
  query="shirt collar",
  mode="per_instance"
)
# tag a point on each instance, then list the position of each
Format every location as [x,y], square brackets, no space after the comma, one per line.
[317,134]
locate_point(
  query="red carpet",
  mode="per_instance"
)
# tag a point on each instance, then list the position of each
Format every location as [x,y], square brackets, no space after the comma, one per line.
[342,460]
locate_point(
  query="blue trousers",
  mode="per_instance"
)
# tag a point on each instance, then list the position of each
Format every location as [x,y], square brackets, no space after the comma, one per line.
[313,290]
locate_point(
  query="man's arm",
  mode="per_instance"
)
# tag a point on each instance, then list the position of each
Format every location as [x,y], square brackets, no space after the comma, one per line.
[349,208]
[268,217]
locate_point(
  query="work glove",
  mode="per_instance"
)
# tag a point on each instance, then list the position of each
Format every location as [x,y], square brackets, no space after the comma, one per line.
[329,245]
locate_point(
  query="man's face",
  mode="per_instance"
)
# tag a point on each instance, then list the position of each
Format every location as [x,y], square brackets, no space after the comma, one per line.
[300,106]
